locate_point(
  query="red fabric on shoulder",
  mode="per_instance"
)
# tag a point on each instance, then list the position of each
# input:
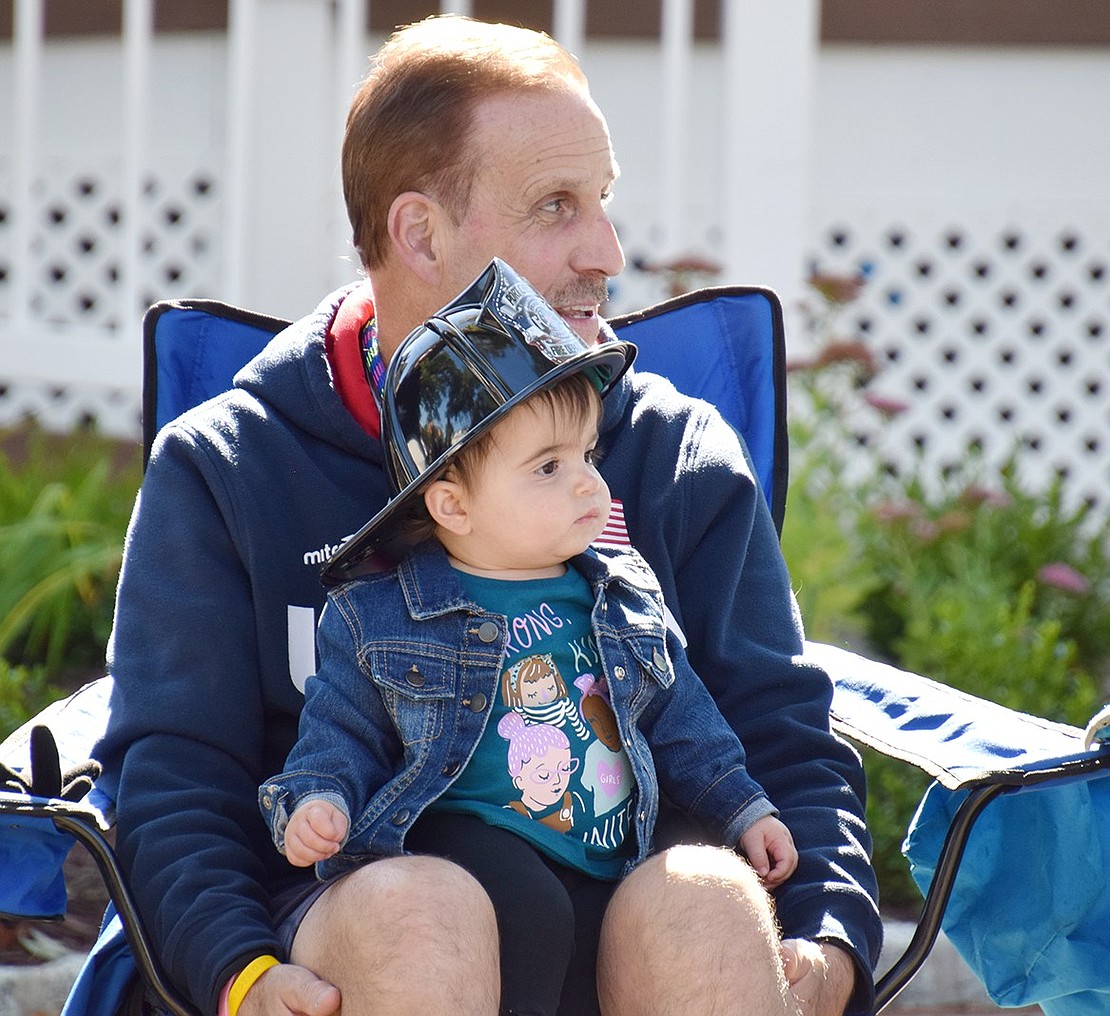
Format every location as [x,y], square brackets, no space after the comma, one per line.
[344,349]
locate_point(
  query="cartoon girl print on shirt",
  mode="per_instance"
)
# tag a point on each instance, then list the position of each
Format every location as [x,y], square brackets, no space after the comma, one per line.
[606,771]
[541,766]
[534,688]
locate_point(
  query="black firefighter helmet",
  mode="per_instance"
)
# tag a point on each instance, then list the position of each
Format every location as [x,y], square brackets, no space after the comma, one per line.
[497,343]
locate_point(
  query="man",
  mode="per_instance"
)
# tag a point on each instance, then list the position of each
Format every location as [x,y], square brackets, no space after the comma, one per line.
[466,141]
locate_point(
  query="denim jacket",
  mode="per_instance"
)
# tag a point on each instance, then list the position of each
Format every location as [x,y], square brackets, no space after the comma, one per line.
[409,668]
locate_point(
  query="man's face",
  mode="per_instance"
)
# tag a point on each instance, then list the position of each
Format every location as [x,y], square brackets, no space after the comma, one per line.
[538,202]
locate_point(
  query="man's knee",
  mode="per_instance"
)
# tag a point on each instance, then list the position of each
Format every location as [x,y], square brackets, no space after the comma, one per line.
[367,930]
[707,922]
[403,902]
[417,881]
[694,874]
[690,892]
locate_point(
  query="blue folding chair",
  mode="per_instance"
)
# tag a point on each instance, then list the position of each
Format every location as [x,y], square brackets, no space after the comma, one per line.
[725,345]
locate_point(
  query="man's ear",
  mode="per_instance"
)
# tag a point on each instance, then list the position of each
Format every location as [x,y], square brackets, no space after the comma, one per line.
[414,220]
[446,503]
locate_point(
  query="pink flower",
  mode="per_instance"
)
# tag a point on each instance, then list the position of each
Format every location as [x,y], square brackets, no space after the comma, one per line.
[896,511]
[925,530]
[888,407]
[977,495]
[1064,577]
[847,351]
[837,288]
[953,522]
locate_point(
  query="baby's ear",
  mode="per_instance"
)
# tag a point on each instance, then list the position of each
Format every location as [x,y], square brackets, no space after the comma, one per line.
[446,503]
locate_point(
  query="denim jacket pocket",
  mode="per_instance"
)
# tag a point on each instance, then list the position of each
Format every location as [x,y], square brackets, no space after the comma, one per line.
[417,685]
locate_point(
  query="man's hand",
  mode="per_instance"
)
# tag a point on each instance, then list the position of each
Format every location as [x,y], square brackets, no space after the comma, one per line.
[316,830]
[288,990]
[821,976]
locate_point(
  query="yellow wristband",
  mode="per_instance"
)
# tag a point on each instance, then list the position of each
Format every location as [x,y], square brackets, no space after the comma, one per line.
[245,981]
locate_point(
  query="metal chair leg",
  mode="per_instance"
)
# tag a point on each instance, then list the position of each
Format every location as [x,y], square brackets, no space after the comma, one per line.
[940,891]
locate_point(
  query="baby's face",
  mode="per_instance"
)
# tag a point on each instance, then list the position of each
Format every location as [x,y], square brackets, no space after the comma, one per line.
[537,499]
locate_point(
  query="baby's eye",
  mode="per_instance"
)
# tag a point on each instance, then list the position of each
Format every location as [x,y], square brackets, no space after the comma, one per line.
[593,456]
[548,468]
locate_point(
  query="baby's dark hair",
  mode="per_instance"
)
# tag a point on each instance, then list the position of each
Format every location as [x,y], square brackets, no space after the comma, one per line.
[575,395]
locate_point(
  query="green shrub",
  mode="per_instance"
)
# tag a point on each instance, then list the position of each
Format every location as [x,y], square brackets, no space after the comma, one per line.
[64,506]
[893,792]
[823,501]
[996,590]
[23,693]
[977,582]
[1004,595]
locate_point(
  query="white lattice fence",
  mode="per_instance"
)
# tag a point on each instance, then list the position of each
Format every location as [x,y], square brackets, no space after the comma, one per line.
[77,298]
[995,333]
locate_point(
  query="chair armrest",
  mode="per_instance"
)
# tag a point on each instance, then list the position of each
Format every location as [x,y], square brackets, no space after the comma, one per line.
[37,827]
[76,722]
[958,739]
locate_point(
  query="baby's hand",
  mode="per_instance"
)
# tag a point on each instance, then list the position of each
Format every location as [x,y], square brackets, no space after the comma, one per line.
[770,850]
[315,832]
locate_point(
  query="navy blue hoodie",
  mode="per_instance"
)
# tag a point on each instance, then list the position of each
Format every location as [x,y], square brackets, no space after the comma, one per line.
[243,500]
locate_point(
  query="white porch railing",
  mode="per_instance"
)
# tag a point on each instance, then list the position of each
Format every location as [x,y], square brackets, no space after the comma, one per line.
[151,166]
[107,208]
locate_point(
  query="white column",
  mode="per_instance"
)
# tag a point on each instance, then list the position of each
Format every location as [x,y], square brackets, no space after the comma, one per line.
[27,72]
[138,27]
[569,25]
[289,256]
[769,71]
[241,30]
[677,48]
[352,63]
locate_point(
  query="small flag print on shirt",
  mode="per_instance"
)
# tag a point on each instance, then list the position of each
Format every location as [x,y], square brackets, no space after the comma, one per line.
[615,533]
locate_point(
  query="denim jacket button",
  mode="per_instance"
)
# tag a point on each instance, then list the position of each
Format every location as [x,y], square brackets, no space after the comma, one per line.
[402,817]
[415,678]
[476,704]
[452,769]
[658,659]
[488,631]
[618,673]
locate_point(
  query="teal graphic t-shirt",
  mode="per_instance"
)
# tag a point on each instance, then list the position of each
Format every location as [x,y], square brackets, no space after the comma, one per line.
[550,766]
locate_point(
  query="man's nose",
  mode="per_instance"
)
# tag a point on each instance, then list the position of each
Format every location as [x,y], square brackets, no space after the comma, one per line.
[600,250]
